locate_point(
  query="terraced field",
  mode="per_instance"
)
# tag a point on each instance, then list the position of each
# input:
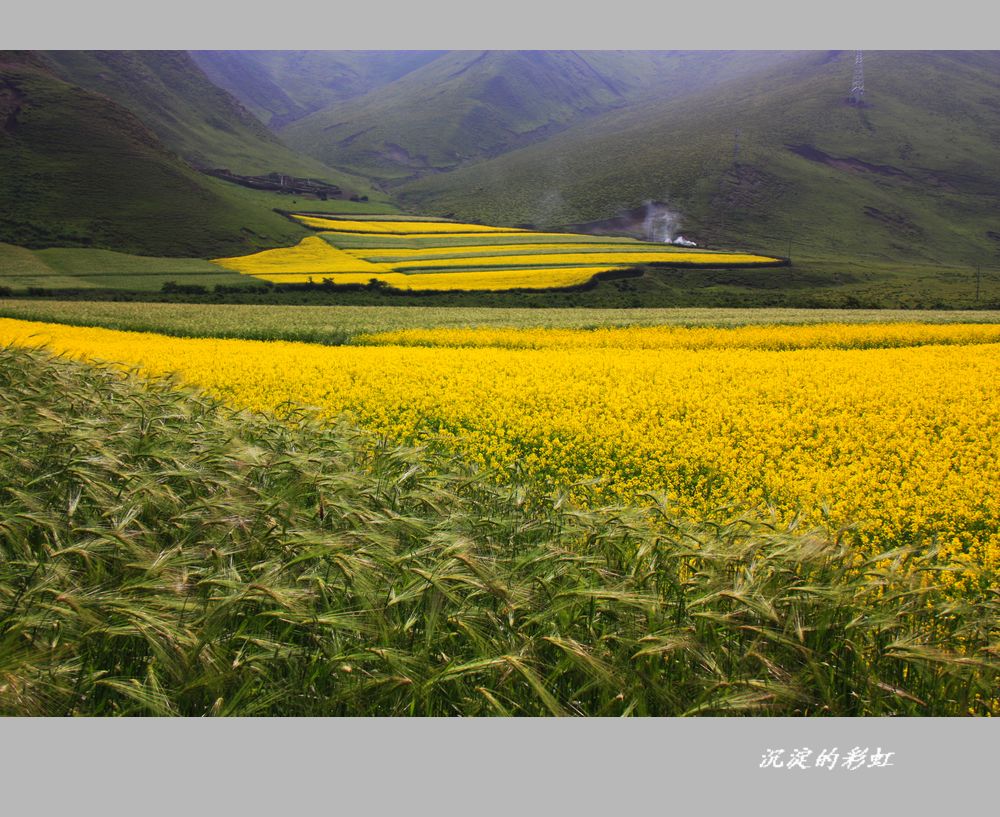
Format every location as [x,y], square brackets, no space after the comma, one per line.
[420,254]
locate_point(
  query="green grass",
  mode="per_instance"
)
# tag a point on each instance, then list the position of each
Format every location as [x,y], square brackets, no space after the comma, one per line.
[334,325]
[362,241]
[73,268]
[162,555]
[103,268]
[21,268]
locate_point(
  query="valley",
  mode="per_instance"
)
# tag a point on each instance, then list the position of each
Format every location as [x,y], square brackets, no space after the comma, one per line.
[499,383]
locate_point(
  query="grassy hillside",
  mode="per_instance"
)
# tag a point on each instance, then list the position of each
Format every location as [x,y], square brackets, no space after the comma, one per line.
[81,171]
[912,177]
[466,105]
[193,117]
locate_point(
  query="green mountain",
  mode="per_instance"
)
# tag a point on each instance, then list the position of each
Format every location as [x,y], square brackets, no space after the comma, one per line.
[777,155]
[468,105]
[191,115]
[80,170]
[282,86]
[759,150]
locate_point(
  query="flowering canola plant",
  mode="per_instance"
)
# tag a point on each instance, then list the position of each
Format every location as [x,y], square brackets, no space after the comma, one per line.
[892,445]
[310,258]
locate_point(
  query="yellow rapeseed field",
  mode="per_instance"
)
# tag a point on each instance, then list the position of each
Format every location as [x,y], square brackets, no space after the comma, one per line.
[892,445]
[313,259]
[518,265]
[774,337]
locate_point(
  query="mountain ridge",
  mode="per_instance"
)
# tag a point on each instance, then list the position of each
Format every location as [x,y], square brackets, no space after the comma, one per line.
[282,86]
[200,121]
[465,106]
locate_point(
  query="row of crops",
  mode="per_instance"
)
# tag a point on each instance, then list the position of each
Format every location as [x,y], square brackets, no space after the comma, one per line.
[446,255]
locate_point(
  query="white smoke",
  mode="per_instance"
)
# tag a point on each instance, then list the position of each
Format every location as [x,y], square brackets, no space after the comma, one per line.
[661,224]
[549,209]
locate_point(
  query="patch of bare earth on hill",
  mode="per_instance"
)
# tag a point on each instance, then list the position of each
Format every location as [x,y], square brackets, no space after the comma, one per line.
[921,176]
[400,155]
[850,163]
[630,223]
[349,140]
[896,222]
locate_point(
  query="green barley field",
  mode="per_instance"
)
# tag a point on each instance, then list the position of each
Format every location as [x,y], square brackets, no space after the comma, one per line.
[340,324]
